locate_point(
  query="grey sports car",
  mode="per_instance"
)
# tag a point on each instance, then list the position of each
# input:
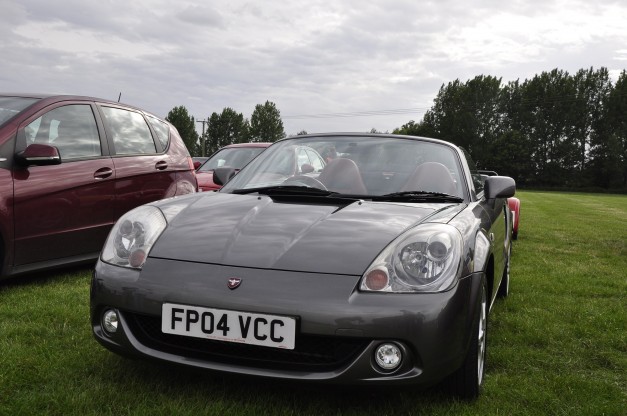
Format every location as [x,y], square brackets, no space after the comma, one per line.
[381,267]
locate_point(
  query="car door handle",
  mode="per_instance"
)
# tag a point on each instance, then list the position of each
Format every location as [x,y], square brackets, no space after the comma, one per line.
[103,173]
[161,165]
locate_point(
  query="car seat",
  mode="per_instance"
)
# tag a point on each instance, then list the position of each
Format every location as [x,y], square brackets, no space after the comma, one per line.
[431,177]
[342,175]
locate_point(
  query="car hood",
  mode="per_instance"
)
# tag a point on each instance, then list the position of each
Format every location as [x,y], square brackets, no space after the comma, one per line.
[256,231]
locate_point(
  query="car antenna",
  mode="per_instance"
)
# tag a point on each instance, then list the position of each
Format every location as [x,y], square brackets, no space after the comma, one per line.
[119,96]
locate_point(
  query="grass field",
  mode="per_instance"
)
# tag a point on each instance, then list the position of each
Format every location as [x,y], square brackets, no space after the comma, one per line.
[557,345]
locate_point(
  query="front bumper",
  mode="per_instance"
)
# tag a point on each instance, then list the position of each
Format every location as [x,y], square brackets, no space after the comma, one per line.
[339,328]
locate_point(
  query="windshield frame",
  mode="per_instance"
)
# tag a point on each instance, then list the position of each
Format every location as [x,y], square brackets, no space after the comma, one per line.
[246,177]
[12,105]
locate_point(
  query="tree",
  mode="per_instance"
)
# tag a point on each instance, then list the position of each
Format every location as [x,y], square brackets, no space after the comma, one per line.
[511,157]
[414,129]
[266,124]
[548,100]
[608,148]
[467,114]
[554,129]
[513,151]
[186,126]
[591,89]
[225,128]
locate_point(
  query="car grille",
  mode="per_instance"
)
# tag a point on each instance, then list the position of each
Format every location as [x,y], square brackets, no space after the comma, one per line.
[311,353]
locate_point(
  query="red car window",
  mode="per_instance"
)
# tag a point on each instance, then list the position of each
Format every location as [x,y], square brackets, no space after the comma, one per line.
[129,132]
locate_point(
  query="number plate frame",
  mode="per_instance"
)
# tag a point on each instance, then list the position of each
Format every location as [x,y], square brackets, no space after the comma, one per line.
[230,326]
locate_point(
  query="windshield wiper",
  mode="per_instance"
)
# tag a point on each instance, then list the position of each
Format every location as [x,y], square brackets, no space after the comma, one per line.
[420,196]
[285,190]
[300,190]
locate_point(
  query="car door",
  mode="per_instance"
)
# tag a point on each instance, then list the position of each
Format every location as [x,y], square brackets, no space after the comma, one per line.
[494,221]
[63,210]
[143,169]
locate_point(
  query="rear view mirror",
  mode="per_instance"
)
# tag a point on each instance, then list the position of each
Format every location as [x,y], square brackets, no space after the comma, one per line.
[38,154]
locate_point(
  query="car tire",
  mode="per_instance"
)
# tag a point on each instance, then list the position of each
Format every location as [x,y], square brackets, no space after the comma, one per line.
[504,286]
[467,381]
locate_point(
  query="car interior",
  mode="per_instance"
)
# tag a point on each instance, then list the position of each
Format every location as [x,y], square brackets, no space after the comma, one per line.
[432,177]
[358,170]
[342,175]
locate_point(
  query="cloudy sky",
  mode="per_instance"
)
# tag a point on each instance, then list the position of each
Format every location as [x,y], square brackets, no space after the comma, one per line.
[342,65]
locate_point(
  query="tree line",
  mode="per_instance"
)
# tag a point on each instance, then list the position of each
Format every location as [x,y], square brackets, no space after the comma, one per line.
[228,127]
[554,130]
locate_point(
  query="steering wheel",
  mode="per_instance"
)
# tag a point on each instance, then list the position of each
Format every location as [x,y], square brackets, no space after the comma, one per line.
[305,180]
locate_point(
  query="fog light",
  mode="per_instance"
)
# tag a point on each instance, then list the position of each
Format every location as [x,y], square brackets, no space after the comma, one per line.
[110,321]
[388,356]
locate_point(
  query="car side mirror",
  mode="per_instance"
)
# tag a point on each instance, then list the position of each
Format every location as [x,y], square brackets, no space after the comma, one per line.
[222,175]
[499,187]
[197,165]
[38,154]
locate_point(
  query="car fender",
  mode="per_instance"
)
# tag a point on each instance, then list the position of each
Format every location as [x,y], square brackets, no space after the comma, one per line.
[482,252]
[185,183]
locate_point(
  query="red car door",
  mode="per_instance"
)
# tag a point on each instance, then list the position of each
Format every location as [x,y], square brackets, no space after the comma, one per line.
[64,210]
[144,171]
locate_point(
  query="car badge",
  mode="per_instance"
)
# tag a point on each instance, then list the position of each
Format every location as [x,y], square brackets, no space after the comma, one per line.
[234,282]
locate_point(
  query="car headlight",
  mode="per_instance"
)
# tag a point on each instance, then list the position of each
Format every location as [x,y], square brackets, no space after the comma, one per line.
[132,237]
[424,259]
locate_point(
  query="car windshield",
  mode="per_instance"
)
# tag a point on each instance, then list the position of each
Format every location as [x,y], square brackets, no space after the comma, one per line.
[233,157]
[375,165]
[10,106]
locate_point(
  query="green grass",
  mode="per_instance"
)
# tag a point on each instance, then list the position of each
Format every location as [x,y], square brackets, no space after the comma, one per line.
[557,345]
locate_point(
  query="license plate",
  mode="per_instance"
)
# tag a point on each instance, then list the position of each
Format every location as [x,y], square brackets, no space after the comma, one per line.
[230,326]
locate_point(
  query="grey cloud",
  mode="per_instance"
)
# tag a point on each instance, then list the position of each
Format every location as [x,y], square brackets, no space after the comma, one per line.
[310,57]
[201,15]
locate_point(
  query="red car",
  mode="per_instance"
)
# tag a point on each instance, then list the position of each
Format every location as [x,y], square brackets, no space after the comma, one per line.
[70,166]
[235,156]
[514,207]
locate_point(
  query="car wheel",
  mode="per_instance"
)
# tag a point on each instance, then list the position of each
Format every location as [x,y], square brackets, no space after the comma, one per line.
[466,382]
[504,287]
